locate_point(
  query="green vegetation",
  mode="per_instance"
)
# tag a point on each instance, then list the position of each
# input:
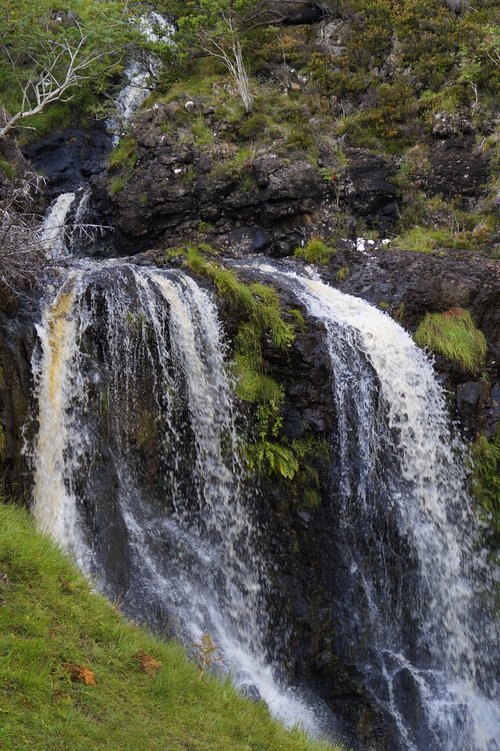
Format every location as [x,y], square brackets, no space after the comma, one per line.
[8,169]
[74,675]
[124,156]
[316,251]
[342,273]
[486,483]
[117,184]
[33,37]
[454,335]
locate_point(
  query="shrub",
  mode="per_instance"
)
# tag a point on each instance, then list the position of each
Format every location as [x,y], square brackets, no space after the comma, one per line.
[454,335]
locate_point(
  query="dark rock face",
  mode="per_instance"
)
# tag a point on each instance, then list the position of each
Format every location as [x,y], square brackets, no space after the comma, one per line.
[179,191]
[17,340]
[370,192]
[457,168]
[70,157]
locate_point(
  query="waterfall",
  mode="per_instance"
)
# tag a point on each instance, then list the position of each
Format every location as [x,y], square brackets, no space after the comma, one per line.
[136,464]
[53,228]
[413,619]
[140,73]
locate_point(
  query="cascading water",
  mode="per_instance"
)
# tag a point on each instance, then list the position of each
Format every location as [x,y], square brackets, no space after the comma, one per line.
[140,73]
[53,229]
[411,619]
[136,463]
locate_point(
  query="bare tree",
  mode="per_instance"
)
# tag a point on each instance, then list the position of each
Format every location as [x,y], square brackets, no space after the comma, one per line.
[226,46]
[51,82]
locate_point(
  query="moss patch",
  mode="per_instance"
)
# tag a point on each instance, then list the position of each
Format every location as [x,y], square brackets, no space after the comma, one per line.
[454,335]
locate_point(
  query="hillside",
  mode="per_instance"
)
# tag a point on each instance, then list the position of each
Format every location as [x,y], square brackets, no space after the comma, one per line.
[51,623]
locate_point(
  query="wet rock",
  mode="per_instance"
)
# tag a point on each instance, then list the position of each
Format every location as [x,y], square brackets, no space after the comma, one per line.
[472,398]
[370,192]
[70,157]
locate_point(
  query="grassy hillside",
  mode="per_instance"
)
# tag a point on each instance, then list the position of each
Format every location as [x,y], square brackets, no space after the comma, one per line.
[71,679]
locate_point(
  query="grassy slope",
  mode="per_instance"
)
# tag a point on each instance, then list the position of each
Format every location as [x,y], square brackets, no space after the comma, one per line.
[48,617]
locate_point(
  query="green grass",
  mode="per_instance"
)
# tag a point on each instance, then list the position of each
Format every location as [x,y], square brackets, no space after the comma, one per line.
[454,335]
[117,184]
[49,617]
[316,251]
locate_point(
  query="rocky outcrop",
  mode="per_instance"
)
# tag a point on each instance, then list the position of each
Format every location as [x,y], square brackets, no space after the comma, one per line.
[179,191]
[69,157]
[409,284]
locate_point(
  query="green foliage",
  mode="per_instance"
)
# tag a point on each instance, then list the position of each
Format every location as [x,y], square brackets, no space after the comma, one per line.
[254,127]
[316,251]
[486,482]
[454,335]
[426,239]
[30,35]
[268,457]
[342,273]
[203,136]
[51,620]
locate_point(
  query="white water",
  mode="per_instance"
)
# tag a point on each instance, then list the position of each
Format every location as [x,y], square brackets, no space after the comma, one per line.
[395,412]
[53,229]
[140,73]
[151,343]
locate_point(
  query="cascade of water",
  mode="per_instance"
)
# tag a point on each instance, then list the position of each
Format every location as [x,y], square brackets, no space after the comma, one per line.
[54,225]
[136,467]
[416,626]
[140,73]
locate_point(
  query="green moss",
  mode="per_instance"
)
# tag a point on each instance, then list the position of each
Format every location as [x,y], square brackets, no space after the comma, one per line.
[454,335]
[486,483]
[144,199]
[50,619]
[316,251]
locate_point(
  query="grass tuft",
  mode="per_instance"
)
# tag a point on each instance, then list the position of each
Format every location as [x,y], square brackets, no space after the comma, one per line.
[454,335]
[316,251]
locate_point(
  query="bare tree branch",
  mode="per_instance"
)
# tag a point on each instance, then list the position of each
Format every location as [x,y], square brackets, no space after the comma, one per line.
[51,83]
